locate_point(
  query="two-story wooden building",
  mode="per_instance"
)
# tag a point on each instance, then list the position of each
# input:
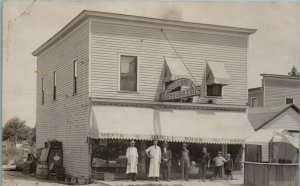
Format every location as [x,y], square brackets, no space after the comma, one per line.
[107,78]
[276,90]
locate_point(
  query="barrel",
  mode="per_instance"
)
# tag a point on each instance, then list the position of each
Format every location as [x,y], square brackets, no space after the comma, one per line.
[42,171]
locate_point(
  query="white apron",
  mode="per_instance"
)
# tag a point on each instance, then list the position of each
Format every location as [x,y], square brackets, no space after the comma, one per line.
[155,160]
[132,160]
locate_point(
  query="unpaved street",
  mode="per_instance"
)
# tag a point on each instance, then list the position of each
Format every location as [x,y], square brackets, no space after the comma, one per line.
[12,178]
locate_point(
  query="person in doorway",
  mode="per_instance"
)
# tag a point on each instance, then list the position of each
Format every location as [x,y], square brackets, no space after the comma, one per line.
[219,162]
[132,161]
[166,156]
[184,162]
[228,166]
[204,163]
[154,153]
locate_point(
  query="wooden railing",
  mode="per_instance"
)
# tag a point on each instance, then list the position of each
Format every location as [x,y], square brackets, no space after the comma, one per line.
[270,174]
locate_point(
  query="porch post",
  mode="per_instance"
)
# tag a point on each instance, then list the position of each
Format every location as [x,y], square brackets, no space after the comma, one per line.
[143,159]
[243,157]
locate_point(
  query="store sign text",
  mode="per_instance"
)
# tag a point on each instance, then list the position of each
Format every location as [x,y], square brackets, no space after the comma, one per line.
[193,90]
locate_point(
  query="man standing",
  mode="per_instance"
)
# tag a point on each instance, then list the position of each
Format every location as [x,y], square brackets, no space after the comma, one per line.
[154,153]
[204,163]
[132,160]
[184,162]
[166,156]
[219,161]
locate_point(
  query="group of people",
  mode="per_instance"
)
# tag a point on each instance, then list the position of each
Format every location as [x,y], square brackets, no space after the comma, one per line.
[161,158]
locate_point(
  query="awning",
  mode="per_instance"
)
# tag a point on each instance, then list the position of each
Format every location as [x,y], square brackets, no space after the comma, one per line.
[175,69]
[263,136]
[286,137]
[195,126]
[217,74]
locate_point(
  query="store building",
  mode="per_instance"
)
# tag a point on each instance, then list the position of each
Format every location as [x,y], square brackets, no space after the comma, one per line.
[107,78]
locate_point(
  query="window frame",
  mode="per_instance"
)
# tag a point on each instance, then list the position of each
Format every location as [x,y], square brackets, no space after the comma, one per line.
[252,101]
[290,99]
[43,90]
[75,76]
[54,85]
[137,73]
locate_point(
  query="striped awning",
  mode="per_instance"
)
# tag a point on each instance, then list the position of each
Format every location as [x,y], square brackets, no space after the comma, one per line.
[174,125]
[217,74]
[175,69]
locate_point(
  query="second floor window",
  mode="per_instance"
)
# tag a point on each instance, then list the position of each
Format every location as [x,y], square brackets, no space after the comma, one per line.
[75,69]
[128,73]
[43,92]
[214,90]
[254,102]
[54,85]
[289,100]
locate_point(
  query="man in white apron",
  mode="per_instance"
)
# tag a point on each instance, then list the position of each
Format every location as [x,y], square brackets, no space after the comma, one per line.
[154,153]
[132,160]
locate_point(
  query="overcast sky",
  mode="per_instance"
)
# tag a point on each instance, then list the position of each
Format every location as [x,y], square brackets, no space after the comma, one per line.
[274,48]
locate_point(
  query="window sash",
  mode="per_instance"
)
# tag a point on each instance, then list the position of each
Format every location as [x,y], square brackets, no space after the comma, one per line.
[128,73]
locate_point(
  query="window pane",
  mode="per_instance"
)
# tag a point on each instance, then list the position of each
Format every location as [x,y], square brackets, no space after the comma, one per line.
[128,64]
[128,80]
[214,90]
[254,102]
[289,100]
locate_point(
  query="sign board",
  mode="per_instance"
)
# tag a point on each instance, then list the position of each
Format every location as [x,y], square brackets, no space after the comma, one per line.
[193,90]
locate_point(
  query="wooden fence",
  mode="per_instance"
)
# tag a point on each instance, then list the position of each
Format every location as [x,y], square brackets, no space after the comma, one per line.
[270,174]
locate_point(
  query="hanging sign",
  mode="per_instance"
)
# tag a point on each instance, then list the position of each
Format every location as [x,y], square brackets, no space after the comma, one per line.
[193,90]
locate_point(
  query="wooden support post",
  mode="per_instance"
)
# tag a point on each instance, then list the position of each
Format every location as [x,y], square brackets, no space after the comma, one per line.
[243,157]
[143,159]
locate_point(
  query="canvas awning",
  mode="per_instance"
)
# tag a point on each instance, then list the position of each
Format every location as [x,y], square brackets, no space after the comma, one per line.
[175,69]
[177,125]
[263,136]
[217,74]
[285,137]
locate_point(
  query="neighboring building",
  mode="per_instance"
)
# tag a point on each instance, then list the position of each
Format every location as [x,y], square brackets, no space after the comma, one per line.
[274,118]
[275,90]
[107,78]
[280,116]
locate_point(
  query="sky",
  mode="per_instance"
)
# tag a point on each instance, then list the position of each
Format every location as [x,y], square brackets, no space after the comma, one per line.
[27,24]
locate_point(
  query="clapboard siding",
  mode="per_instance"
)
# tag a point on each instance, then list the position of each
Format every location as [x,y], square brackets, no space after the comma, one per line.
[109,40]
[276,90]
[289,120]
[257,94]
[66,119]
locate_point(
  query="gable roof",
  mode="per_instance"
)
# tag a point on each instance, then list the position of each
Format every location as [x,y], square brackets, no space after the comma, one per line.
[260,116]
[121,18]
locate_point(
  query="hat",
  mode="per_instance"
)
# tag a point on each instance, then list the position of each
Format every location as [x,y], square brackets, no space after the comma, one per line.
[219,152]
[132,141]
[227,154]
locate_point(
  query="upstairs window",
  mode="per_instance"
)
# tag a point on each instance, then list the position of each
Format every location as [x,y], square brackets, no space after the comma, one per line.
[75,69]
[214,90]
[54,85]
[254,102]
[43,92]
[128,73]
[289,100]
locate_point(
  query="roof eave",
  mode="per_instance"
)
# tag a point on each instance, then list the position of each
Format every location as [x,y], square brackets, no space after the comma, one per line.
[86,13]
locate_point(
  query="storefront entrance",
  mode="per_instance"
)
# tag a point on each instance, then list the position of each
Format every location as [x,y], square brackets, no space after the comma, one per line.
[109,158]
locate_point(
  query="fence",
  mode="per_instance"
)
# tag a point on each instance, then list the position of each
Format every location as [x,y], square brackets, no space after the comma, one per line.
[270,174]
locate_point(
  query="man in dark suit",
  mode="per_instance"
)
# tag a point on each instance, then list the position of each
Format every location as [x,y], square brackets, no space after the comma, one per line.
[166,156]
